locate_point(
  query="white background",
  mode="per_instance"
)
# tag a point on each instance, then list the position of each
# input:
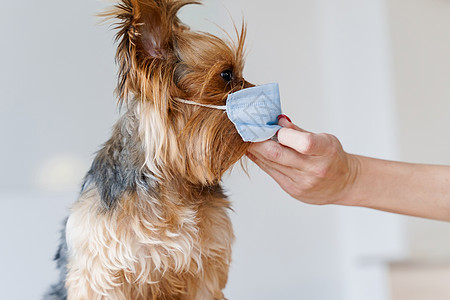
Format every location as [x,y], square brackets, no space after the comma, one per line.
[364,70]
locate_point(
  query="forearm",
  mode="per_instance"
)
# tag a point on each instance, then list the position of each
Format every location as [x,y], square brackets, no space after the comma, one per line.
[410,189]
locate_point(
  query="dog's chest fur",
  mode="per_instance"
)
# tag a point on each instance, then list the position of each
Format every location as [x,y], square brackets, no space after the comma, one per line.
[132,237]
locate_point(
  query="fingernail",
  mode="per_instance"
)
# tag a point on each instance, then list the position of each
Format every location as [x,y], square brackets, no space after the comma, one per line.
[283,116]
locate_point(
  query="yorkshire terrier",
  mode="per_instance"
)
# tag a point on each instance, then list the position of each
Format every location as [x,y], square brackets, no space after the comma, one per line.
[151,221]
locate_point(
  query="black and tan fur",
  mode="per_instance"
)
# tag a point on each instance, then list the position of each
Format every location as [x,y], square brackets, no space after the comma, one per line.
[152,220]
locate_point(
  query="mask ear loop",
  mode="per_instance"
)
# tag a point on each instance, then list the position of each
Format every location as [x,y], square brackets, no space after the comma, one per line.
[221,107]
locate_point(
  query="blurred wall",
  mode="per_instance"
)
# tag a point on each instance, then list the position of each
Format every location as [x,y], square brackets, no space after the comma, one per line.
[57,106]
[57,84]
[421,46]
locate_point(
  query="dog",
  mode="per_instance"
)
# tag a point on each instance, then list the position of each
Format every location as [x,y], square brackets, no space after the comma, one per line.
[151,221]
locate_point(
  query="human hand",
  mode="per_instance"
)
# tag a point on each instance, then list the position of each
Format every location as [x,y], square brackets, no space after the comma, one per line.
[312,168]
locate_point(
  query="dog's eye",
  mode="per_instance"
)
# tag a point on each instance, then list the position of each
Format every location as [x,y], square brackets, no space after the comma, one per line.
[227,75]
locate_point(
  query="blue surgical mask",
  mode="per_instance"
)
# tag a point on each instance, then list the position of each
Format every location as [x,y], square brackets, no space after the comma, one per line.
[254,111]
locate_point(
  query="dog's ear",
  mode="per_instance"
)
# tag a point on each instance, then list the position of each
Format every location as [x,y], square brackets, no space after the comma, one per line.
[146,37]
[155,22]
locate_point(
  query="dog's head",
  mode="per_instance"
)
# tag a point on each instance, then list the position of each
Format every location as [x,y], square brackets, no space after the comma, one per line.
[160,60]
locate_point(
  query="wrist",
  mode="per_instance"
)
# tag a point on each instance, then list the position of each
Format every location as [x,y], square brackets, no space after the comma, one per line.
[350,195]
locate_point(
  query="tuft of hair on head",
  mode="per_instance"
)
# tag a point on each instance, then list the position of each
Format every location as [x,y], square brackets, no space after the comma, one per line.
[145,38]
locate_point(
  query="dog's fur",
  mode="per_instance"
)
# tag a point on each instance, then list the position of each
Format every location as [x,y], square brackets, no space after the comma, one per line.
[152,219]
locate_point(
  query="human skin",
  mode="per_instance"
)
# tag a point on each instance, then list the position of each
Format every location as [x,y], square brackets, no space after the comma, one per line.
[315,169]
